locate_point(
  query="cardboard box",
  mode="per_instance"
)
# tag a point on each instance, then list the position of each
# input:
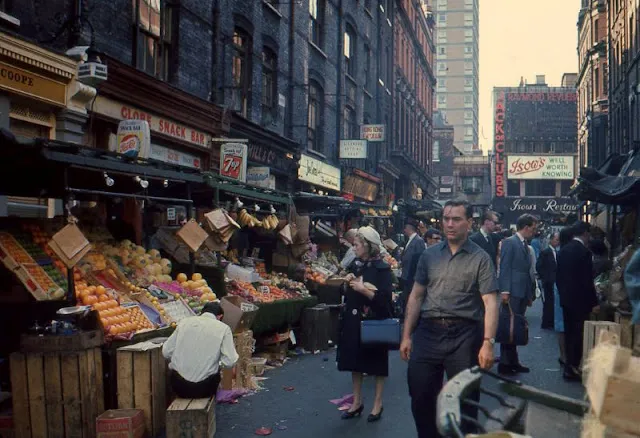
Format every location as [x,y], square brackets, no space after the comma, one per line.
[121,423]
[238,313]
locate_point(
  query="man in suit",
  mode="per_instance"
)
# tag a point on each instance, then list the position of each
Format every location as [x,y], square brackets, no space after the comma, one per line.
[515,284]
[410,256]
[546,268]
[578,297]
[486,238]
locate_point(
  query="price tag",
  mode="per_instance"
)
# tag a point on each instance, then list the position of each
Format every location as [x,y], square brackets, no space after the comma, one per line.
[264,289]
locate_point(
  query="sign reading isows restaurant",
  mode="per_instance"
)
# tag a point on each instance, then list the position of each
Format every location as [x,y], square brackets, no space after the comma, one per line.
[551,167]
[157,124]
[535,205]
[498,144]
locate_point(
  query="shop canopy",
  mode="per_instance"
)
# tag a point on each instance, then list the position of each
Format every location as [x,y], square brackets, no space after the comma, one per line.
[223,185]
[43,168]
[599,185]
[333,206]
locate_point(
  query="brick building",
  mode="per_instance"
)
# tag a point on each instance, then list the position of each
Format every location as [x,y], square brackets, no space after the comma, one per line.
[443,155]
[413,98]
[593,86]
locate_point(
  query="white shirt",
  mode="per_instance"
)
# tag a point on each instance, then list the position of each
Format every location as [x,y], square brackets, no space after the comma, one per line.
[484,234]
[410,239]
[198,346]
[580,240]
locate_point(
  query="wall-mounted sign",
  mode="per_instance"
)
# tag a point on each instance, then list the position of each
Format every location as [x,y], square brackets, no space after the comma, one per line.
[535,205]
[318,173]
[445,190]
[446,180]
[32,85]
[157,124]
[133,139]
[362,185]
[273,158]
[233,161]
[554,167]
[178,158]
[372,132]
[354,149]
[498,145]
[260,177]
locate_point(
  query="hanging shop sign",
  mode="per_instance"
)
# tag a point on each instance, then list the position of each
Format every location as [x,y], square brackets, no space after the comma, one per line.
[157,124]
[133,139]
[30,84]
[261,177]
[171,156]
[372,133]
[362,185]
[353,149]
[318,173]
[498,145]
[270,157]
[554,167]
[233,161]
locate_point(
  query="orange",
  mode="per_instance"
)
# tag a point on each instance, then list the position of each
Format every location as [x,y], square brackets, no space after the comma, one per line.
[91,299]
[100,290]
[103,298]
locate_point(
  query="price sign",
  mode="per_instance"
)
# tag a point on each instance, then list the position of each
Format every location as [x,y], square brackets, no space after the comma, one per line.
[264,289]
[233,161]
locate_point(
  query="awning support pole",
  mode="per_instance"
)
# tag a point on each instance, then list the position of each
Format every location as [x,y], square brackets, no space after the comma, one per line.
[71,287]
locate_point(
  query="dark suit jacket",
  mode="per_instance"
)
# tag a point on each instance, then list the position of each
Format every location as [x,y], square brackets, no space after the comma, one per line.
[515,269]
[410,258]
[490,247]
[546,267]
[574,278]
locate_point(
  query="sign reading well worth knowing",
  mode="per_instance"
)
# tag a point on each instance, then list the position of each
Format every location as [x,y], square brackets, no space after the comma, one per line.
[372,132]
[233,161]
[318,173]
[353,149]
[540,167]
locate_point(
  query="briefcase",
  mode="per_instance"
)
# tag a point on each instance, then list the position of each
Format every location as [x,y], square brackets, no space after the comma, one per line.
[381,333]
[513,329]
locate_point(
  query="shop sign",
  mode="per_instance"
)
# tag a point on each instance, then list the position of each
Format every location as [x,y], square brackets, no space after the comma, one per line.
[552,167]
[178,158]
[372,133]
[361,187]
[270,157]
[498,145]
[32,85]
[446,180]
[133,139]
[171,214]
[535,205]
[445,189]
[318,173]
[157,124]
[261,177]
[353,149]
[233,161]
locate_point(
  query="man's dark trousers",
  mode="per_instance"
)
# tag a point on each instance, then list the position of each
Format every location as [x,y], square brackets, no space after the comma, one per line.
[573,337]
[438,347]
[508,352]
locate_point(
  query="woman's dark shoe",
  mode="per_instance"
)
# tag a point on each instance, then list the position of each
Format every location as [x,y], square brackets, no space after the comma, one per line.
[372,418]
[352,414]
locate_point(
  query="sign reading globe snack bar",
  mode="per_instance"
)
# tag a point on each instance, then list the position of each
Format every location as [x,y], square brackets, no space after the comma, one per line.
[133,139]
[543,167]
[233,161]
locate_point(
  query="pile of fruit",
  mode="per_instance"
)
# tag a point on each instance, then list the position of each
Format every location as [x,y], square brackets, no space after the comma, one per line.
[315,275]
[149,266]
[43,280]
[263,293]
[246,219]
[42,238]
[13,248]
[391,261]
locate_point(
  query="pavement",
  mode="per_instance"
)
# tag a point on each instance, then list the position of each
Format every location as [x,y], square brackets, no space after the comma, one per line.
[305,411]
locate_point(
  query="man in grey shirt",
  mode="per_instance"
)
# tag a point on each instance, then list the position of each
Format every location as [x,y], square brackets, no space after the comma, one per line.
[451,318]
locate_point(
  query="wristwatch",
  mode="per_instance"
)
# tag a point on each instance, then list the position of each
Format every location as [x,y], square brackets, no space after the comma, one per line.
[492,341]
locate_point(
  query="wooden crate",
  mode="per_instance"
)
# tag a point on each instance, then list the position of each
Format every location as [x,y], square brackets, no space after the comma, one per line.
[592,428]
[57,394]
[195,418]
[142,380]
[592,330]
[626,328]
[316,328]
[60,343]
[613,386]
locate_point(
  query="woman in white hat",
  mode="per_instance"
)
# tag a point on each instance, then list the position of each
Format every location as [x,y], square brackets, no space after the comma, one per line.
[361,302]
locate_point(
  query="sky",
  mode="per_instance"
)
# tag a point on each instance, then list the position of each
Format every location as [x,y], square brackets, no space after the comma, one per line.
[523,38]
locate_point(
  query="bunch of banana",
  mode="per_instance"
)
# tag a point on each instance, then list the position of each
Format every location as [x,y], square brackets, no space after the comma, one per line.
[248,220]
[270,222]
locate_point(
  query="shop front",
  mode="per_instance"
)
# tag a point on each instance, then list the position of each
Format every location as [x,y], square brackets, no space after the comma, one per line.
[550,210]
[318,177]
[361,186]
[181,125]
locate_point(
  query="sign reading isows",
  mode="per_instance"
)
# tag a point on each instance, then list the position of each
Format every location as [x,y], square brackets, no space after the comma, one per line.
[498,144]
[552,167]
[157,124]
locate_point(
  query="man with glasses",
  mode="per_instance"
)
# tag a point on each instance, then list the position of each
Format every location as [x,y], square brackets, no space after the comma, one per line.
[486,237]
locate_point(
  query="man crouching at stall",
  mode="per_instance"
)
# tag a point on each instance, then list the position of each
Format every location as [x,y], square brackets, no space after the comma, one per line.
[196,350]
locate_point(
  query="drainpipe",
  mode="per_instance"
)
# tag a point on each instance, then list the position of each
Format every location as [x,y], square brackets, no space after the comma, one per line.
[215,38]
[339,81]
[290,91]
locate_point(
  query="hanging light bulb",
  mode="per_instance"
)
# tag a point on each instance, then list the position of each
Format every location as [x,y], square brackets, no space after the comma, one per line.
[108,180]
[256,207]
[239,203]
[165,183]
[143,182]
[395,208]
[271,209]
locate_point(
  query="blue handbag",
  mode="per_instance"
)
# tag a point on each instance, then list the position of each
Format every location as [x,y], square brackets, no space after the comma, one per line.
[381,333]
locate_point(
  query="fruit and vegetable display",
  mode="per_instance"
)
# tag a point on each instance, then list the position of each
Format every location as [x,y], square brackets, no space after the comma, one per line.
[10,247]
[391,261]
[267,291]
[269,222]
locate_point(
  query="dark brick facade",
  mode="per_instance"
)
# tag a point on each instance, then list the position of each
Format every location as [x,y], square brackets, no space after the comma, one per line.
[443,154]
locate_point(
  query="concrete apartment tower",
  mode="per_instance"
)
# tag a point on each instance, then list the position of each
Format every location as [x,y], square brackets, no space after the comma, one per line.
[457,69]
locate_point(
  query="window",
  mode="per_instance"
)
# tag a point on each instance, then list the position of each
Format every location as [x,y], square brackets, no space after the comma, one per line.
[442,84]
[471,184]
[153,40]
[468,48]
[468,101]
[349,123]
[316,23]
[468,67]
[314,123]
[442,98]
[540,188]
[513,187]
[468,84]
[442,51]
[367,67]
[468,4]
[442,36]
[468,131]
[468,35]
[442,3]
[596,37]
[240,71]
[350,51]
[269,76]
[436,150]
[468,19]
[468,115]
[442,66]
[596,80]
[442,18]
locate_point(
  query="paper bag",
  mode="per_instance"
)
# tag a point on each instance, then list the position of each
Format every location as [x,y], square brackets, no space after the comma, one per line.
[192,235]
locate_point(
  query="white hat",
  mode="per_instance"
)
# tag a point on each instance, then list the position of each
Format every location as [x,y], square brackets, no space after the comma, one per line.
[371,236]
